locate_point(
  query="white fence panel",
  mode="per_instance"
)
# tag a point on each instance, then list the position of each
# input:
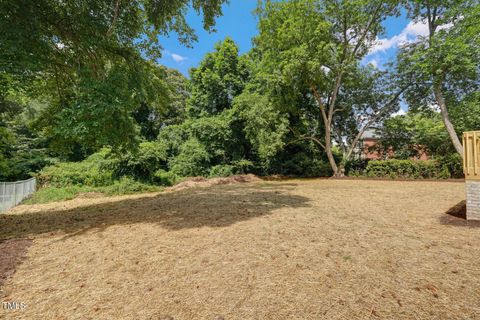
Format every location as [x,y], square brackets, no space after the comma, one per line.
[12,193]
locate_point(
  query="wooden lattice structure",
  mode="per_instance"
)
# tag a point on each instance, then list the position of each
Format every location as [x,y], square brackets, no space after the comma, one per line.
[471,159]
[471,168]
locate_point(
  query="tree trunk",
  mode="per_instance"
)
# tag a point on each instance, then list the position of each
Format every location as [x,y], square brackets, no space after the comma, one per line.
[328,150]
[446,120]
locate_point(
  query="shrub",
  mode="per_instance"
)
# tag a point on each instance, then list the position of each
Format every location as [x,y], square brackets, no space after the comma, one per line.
[173,137]
[127,185]
[393,168]
[243,166]
[301,164]
[193,160]
[165,178]
[356,167]
[216,135]
[222,170]
[142,163]
[52,194]
[119,187]
[90,172]
[236,167]
[453,164]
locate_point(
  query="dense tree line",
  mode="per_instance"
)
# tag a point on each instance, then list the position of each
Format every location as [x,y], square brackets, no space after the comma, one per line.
[79,79]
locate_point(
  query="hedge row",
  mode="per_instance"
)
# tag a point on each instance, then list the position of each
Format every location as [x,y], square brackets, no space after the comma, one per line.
[411,169]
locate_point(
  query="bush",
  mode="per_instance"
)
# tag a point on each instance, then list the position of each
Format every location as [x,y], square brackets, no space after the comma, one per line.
[142,163]
[53,194]
[127,185]
[90,172]
[242,166]
[216,135]
[119,187]
[173,137]
[356,167]
[453,164]
[237,167]
[301,164]
[416,169]
[193,160]
[165,178]
[222,170]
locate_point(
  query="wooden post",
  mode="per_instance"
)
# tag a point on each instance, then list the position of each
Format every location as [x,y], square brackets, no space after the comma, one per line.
[472,173]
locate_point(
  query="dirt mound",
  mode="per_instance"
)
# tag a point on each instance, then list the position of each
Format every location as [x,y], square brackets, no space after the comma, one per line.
[90,195]
[204,182]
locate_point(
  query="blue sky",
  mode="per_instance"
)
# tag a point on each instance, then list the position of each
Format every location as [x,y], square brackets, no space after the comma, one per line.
[239,23]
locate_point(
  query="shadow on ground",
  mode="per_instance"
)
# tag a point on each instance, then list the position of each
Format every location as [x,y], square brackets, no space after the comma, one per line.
[219,206]
[457,216]
[12,253]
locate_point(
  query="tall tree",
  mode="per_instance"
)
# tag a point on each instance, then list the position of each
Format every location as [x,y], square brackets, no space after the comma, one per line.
[152,117]
[445,63]
[87,58]
[220,77]
[319,45]
[412,135]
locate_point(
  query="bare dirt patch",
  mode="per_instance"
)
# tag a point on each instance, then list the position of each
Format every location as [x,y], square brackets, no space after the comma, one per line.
[12,253]
[202,182]
[295,249]
[457,216]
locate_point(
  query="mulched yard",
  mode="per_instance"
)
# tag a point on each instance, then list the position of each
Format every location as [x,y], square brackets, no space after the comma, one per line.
[290,249]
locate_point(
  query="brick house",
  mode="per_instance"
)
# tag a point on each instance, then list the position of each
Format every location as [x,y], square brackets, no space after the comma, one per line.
[370,139]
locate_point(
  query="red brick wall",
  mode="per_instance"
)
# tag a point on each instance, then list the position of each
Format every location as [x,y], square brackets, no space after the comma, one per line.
[375,155]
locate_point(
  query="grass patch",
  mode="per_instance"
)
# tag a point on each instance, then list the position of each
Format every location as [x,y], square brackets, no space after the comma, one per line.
[121,187]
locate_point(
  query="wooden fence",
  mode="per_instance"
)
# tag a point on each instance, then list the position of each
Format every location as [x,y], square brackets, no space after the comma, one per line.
[471,150]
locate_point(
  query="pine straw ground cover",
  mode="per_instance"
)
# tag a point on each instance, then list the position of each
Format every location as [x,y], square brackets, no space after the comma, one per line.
[296,249]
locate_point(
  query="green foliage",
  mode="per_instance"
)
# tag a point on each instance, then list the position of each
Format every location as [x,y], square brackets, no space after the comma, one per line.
[165,178]
[465,114]
[119,187]
[237,167]
[452,164]
[23,150]
[154,116]
[215,133]
[127,185]
[222,170]
[444,65]
[264,126]
[93,62]
[412,134]
[173,137]
[355,167]
[90,172]
[193,160]
[314,48]
[77,77]
[243,166]
[304,165]
[411,169]
[6,140]
[220,77]
[142,163]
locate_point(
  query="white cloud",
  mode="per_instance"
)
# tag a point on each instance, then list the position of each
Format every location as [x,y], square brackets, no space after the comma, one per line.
[178,58]
[400,112]
[409,34]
